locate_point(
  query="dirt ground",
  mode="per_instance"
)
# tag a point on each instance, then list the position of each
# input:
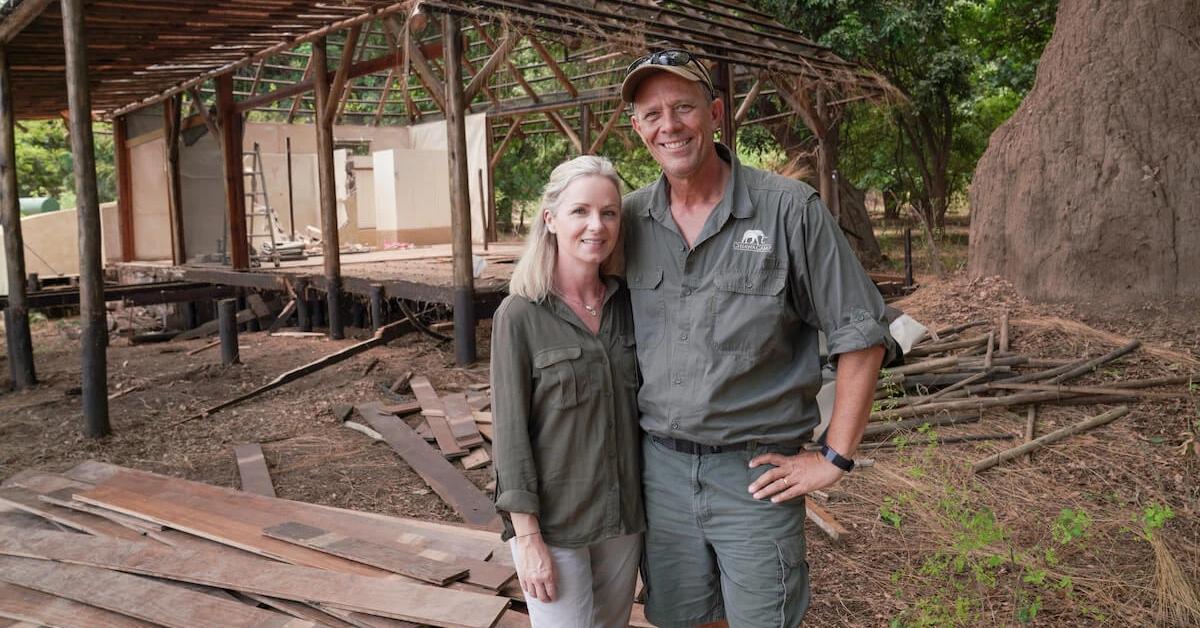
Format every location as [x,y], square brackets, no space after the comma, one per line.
[1053,541]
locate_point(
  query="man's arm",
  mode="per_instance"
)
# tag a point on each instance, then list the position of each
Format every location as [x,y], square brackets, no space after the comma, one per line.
[808,471]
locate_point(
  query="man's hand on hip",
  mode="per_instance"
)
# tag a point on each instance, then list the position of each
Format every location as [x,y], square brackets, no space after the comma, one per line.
[793,476]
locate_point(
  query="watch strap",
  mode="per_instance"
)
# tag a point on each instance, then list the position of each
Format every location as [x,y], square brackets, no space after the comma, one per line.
[838,460]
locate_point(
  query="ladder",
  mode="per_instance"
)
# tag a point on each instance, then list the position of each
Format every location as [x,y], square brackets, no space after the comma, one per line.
[259,210]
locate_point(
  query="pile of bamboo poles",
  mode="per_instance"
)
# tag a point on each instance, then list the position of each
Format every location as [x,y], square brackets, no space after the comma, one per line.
[952,375]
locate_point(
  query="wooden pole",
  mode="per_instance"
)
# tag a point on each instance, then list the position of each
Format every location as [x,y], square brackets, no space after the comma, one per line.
[227,317]
[16,315]
[490,192]
[585,129]
[1052,437]
[235,180]
[172,109]
[124,189]
[92,313]
[329,226]
[460,202]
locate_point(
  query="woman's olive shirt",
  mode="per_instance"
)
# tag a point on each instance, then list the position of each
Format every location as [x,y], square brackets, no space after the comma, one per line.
[564,406]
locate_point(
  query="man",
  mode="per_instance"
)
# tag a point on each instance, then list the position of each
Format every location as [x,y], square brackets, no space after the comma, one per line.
[732,272]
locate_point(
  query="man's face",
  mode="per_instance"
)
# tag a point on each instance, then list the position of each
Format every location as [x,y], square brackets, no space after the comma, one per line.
[676,121]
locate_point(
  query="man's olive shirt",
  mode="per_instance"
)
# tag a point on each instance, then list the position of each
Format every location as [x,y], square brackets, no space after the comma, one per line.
[727,330]
[564,404]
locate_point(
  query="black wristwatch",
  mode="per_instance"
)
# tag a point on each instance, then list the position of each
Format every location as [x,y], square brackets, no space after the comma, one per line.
[838,460]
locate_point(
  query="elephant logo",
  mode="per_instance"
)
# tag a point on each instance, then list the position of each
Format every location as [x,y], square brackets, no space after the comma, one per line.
[753,240]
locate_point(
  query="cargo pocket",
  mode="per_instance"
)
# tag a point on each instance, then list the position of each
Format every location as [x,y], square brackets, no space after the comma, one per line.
[748,309]
[649,306]
[558,374]
[794,580]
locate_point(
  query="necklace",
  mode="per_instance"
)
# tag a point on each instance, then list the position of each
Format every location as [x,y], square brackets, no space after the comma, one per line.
[594,310]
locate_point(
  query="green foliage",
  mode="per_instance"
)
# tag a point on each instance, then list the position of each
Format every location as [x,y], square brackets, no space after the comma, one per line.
[1070,525]
[1154,517]
[963,65]
[45,166]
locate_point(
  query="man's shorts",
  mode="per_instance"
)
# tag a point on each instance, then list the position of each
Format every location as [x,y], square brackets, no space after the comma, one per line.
[712,550]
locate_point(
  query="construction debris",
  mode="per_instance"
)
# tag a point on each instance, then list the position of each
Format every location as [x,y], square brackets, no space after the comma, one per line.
[318,565]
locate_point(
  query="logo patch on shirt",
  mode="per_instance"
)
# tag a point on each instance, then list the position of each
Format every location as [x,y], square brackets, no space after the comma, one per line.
[753,240]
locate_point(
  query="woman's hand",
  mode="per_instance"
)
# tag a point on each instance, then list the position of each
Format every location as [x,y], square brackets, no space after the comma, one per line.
[536,568]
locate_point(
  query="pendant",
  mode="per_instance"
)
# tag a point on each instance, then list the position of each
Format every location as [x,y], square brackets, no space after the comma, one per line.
[590,310]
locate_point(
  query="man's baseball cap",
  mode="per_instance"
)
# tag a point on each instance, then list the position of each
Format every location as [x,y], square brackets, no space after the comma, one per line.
[678,62]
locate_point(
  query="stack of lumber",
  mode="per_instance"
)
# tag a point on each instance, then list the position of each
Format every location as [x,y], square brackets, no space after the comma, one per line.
[102,545]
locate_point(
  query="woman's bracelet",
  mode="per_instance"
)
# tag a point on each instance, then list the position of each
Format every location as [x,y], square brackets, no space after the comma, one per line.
[521,536]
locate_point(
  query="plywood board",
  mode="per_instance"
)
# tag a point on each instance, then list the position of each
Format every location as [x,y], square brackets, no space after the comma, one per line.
[24,604]
[447,481]
[143,598]
[435,412]
[252,467]
[393,559]
[387,597]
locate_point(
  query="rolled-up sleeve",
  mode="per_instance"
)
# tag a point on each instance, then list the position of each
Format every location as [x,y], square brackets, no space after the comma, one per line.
[512,385]
[845,301]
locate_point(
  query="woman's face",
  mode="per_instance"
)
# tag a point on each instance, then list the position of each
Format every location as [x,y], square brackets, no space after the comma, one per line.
[587,221]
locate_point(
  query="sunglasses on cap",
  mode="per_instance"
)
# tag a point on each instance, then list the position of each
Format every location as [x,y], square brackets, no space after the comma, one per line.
[676,58]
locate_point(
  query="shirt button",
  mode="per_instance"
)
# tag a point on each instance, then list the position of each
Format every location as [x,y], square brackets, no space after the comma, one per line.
[683,336]
[686,292]
[678,381]
[860,316]
[749,284]
[682,249]
[674,425]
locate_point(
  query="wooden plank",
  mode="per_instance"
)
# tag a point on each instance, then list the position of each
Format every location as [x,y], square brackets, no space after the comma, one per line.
[392,559]
[479,401]
[442,477]
[363,620]
[824,520]
[66,499]
[462,421]
[24,604]
[264,511]
[232,527]
[380,596]
[301,611]
[402,409]
[477,458]
[482,416]
[210,327]
[143,598]
[29,501]
[486,574]
[435,411]
[252,467]
[486,430]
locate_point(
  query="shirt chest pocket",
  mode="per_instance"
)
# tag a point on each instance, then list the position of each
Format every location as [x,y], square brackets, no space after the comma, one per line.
[562,375]
[649,306]
[747,310]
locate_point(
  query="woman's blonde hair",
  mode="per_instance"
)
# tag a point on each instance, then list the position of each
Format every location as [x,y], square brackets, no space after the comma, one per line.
[533,277]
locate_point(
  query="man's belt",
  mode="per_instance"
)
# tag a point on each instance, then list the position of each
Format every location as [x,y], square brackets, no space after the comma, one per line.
[700,449]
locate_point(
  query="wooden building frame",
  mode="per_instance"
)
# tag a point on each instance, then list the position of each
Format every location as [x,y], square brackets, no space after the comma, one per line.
[533,66]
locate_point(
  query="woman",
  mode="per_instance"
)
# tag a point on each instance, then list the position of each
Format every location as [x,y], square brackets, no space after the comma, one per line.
[564,386]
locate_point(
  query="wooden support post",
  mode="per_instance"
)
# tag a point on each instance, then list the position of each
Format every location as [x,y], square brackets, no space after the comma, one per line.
[460,202]
[171,125]
[124,188]
[724,84]
[585,129]
[235,180]
[16,315]
[490,192]
[92,313]
[329,226]
[227,316]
